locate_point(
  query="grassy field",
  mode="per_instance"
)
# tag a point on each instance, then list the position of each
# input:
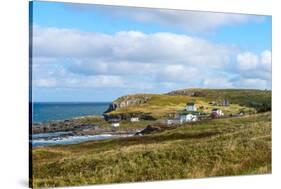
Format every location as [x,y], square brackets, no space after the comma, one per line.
[124,124]
[160,106]
[254,98]
[219,147]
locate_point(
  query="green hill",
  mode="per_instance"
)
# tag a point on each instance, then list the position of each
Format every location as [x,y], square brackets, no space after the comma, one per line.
[254,98]
[219,147]
[162,105]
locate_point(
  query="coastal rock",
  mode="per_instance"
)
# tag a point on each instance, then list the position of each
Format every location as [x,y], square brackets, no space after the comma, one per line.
[127,101]
[64,125]
[149,129]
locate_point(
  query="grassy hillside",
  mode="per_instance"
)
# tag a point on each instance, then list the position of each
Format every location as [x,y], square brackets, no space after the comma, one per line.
[219,147]
[159,106]
[258,99]
[124,124]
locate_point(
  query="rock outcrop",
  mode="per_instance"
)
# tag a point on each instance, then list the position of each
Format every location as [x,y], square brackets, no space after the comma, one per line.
[148,130]
[127,101]
[124,102]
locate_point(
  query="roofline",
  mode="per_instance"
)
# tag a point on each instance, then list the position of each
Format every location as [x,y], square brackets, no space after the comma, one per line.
[190,103]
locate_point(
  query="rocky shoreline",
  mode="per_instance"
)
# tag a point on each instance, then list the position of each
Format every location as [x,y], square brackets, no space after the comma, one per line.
[81,127]
[76,130]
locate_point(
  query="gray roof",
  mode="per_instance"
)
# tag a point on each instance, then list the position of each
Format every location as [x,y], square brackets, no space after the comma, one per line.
[190,103]
[188,112]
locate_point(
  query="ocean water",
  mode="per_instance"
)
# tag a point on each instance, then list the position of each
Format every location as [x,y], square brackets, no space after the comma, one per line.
[49,111]
[56,139]
[43,141]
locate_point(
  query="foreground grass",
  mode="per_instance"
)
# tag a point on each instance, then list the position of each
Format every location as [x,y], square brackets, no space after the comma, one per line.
[233,146]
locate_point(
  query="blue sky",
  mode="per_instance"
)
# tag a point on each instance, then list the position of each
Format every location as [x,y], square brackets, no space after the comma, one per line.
[98,53]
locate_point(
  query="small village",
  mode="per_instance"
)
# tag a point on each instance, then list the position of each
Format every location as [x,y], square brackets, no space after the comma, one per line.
[132,122]
[191,113]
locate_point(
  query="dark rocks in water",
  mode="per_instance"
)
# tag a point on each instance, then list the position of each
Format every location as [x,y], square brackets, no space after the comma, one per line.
[36,124]
[149,129]
[65,125]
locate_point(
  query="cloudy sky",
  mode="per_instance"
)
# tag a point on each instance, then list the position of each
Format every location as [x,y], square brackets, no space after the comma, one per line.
[98,53]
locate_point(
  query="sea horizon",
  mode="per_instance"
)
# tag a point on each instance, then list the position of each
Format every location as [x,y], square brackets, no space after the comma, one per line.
[54,111]
[69,102]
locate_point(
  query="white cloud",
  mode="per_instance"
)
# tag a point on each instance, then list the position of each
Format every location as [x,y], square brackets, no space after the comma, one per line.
[186,20]
[43,60]
[176,73]
[255,83]
[54,42]
[93,67]
[247,61]
[254,66]
[135,60]
[128,46]
[50,82]
[265,59]
[217,82]
[75,81]
[250,61]
[189,20]
[104,81]
[253,70]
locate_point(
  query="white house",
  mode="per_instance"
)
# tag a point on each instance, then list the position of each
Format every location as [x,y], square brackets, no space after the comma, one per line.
[188,118]
[190,107]
[225,102]
[134,119]
[218,111]
[172,121]
[115,124]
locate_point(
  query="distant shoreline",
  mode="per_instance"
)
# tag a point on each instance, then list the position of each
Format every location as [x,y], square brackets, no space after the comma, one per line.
[76,130]
[43,112]
[60,102]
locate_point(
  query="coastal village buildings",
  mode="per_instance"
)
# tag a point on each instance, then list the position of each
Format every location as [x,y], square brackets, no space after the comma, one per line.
[216,113]
[182,118]
[115,124]
[225,102]
[134,119]
[191,107]
[172,121]
[190,114]
[188,117]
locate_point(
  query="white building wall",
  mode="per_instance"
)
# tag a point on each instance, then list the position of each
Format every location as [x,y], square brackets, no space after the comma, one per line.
[188,118]
[172,121]
[134,119]
[191,108]
[115,124]
[219,112]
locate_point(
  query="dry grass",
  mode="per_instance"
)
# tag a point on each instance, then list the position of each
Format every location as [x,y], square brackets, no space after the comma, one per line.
[160,106]
[233,146]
